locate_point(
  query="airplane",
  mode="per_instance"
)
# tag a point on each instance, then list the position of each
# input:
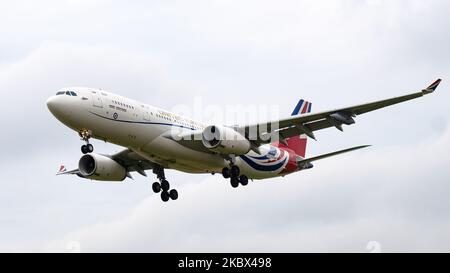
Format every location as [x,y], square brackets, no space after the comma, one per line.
[156,139]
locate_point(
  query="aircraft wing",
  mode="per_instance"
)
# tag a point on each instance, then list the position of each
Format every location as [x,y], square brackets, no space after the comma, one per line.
[304,162]
[130,160]
[189,139]
[262,133]
[63,170]
[308,123]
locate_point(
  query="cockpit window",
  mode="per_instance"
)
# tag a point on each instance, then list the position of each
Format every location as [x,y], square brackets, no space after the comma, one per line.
[68,93]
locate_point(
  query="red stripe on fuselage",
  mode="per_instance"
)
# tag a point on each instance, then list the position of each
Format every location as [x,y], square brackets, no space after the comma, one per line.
[291,166]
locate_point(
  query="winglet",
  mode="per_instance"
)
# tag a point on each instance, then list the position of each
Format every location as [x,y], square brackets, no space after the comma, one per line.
[61,170]
[432,87]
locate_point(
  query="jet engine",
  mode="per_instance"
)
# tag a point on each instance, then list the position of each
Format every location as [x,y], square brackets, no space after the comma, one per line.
[224,140]
[100,167]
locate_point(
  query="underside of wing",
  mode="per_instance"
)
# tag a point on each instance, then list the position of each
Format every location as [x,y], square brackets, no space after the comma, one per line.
[308,123]
[130,160]
[189,139]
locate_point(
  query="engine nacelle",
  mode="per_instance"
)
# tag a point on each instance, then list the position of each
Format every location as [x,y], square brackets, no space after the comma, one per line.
[224,140]
[100,167]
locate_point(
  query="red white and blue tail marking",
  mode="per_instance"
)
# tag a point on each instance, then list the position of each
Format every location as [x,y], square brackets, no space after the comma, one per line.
[298,143]
[433,86]
[302,107]
[62,169]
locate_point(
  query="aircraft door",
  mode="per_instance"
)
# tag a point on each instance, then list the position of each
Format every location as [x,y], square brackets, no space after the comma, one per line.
[97,99]
[145,113]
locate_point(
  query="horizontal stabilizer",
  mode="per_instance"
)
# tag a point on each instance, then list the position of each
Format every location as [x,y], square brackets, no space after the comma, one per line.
[304,162]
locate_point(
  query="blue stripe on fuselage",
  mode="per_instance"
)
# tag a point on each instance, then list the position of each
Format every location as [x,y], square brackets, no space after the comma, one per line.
[143,122]
[258,167]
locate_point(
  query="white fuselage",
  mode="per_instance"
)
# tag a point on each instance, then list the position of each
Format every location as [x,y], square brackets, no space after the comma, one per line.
[141,128]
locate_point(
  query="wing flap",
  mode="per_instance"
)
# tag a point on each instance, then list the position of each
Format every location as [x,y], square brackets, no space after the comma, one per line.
[132,161]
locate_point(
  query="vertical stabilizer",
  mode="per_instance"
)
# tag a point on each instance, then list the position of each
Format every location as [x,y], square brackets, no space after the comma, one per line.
[298,143]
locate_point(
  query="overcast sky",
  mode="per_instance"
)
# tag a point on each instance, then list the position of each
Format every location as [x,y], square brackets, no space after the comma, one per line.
[173,54]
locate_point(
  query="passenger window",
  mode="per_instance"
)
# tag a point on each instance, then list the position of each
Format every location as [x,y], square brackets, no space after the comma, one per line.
[73,93]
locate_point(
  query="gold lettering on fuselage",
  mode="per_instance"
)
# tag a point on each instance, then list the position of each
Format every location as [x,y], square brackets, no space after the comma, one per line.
[117,108]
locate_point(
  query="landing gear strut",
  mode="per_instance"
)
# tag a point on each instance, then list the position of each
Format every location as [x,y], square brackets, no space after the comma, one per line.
[163,186]
[85,136]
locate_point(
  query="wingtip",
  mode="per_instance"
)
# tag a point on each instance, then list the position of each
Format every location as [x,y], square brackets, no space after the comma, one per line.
[358,147]
[364,146]
[61,170]
[432,87]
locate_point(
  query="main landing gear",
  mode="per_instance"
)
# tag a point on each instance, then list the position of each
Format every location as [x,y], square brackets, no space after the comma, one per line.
[163,186]
[234,174]
[85,136]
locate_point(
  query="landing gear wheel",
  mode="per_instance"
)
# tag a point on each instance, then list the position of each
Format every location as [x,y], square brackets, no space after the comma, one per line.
[173,194]
[165,186]
[226,172]
[243,180]
[90,148]
[234,171]
[156,187]
[234,182]
[84,149]
[165,196]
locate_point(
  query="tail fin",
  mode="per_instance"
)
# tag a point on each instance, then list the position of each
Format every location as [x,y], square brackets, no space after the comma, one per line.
[302,107]
[298,143]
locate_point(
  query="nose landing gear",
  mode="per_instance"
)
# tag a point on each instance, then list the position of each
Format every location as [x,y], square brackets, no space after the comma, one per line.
[163,186]
[88,148]
[85,136]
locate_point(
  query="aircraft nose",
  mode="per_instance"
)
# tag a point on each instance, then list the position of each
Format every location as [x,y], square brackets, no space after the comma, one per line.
[57,106]
[52,104]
